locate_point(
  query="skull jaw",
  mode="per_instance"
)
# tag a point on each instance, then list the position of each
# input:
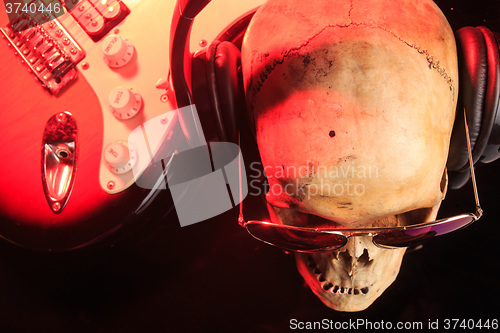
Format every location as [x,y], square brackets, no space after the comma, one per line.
[351,278]
[345,293]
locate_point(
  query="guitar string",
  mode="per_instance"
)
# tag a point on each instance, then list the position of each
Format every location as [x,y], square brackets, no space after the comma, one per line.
[73,28]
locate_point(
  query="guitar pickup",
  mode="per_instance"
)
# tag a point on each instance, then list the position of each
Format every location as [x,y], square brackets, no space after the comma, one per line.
[98,17]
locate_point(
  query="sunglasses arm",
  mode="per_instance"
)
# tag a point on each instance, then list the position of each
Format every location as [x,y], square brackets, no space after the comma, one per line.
[479,210]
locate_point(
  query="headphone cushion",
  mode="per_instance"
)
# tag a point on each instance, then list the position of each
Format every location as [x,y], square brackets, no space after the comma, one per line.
[490,130]
[473,63]
[225,85]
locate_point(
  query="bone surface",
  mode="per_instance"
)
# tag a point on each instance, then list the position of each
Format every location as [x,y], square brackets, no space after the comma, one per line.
[352,104]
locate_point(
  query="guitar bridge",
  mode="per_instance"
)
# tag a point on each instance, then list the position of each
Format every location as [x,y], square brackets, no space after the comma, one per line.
[48,50]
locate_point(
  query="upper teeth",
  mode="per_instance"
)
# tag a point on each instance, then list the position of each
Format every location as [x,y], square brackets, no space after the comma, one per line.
[327,286]
[330,287]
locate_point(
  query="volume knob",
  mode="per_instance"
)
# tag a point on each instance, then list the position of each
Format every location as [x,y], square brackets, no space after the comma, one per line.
[124,103]
[119,157]
[117,51]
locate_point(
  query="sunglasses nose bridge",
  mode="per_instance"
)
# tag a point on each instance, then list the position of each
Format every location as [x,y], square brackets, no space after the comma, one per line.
[358,234]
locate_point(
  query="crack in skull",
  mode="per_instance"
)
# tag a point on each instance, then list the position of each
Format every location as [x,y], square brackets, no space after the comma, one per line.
[351,85]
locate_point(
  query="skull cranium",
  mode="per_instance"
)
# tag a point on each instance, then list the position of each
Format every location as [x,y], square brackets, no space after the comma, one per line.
[352,104]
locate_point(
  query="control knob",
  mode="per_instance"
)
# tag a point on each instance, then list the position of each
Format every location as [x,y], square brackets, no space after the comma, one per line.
[124,103]
[117,51]
[119,157]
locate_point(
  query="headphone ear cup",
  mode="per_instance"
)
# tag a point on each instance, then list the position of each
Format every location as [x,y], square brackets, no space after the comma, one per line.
[490,131]
[473,66]
[225,88]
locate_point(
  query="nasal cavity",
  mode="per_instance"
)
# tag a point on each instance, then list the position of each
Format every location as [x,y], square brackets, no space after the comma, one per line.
[364,259]
[345,257]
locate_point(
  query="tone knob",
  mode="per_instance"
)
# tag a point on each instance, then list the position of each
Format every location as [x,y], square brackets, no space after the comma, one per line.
[124,103]
[119,157]
[117,51]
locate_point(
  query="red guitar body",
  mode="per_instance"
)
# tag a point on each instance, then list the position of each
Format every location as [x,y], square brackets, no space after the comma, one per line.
[133,37]
[26,218]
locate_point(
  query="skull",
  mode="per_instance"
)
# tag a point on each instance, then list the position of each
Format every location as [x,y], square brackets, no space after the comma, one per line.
[352,104]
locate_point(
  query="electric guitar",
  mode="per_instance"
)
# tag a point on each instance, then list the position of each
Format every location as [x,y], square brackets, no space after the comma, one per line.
[74,85]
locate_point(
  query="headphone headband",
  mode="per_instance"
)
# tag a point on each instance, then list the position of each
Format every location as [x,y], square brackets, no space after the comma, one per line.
[180,63]
[182,21]
[191,8]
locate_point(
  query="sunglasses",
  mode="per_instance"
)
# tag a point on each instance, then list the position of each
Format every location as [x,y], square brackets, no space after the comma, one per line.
[302,239]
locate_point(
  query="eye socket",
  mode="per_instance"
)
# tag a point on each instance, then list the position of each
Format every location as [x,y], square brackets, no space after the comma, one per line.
[297,218]
[412,217]
[315,221]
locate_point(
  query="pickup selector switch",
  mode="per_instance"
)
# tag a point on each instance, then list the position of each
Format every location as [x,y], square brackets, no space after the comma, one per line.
[117,51]
[119,157]
[124,103]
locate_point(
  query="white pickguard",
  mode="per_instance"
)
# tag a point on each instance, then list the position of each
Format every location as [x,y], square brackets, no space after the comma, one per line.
[148,28]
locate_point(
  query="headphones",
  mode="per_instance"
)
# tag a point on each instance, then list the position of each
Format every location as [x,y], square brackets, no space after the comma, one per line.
[212,80]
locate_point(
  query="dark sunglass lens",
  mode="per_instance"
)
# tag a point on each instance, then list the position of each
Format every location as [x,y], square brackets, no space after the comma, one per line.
[295,240]
[401,238]
[410,237]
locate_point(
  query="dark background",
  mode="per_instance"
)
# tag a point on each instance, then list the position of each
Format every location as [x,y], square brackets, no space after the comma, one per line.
[213,277]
